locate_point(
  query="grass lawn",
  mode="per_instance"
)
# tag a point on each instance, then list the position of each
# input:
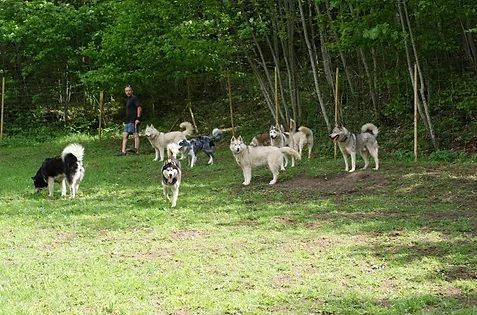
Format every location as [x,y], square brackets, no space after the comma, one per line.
[399,240]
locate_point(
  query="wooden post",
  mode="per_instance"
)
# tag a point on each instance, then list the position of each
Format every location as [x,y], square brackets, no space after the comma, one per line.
[190,106]
[415,112]
[336,105]
[229,92]
[100,117]
[3,105]
[276,96]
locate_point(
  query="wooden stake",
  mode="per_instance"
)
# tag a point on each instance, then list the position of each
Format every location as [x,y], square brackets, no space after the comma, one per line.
[190,106]
[101,104]
[415,112]
[3,105]
[336,106]
[276,96]
[229,92]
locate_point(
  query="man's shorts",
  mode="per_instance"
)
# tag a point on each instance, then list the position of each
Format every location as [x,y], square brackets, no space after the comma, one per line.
[131,128]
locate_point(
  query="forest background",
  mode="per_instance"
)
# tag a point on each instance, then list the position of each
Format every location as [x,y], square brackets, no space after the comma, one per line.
[57,56]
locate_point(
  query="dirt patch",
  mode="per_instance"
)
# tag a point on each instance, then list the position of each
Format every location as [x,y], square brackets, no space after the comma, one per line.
[336,183]
[461,273]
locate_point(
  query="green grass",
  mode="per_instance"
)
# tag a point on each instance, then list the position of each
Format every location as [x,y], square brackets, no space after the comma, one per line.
[400,240]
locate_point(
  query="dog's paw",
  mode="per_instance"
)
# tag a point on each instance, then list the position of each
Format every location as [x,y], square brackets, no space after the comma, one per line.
[273,182]
[351,170]
[245,183]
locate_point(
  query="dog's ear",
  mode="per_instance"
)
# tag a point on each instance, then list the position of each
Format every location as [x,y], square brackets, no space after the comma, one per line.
[232,139]
[240,139]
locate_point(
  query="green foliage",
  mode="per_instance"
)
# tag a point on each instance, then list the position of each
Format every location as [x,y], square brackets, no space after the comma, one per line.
[444,155]
[57,54]
[403,155]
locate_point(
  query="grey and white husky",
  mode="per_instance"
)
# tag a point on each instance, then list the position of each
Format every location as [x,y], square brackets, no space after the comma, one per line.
[171,179]
[202,143]
[364,143]
[160,140]
[248,157]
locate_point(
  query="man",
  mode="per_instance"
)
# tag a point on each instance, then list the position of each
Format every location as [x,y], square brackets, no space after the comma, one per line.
[134,111]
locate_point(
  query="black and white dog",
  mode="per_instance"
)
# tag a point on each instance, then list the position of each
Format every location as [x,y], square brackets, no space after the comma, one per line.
[205,143]
[67,168]
[171,179]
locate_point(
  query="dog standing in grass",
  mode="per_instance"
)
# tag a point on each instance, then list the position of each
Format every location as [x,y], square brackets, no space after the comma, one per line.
[202,143]
[364,143]
[300,138]
[160,140]
[67,168]
[171,174]
[248,157]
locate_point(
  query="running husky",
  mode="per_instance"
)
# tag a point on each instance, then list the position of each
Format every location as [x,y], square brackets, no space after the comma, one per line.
[171,174]
[205,143]
[300,138]
[160,140]
[248,157]
[365,143]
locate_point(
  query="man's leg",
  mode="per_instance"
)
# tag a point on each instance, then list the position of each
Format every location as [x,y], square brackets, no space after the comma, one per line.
[136,142]
[125,142]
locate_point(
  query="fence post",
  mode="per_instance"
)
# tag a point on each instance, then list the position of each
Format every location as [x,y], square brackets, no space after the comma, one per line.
[3,104]
[229,92]
[101,103]
[336,106]
[415,112]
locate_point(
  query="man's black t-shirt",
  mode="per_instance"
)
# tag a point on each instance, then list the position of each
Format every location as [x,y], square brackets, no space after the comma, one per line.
[132,103]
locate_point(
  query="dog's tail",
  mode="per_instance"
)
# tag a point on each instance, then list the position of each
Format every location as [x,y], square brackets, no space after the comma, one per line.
[308,132]
[172,150]
[189,129]
[290,151]
[75,149]
[292,126]
[370,127]
[216,134]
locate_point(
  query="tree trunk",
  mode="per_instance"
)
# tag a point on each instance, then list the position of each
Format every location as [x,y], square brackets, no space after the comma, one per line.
[324,52]
[342,56]
[421,78]
[313,67]
[368,74]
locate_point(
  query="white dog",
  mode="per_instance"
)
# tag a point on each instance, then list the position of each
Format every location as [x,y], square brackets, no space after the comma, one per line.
[248,157]
[302,137]
[160,140]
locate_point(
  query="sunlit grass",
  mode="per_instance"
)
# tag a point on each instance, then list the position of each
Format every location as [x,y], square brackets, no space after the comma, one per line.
[320,241]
